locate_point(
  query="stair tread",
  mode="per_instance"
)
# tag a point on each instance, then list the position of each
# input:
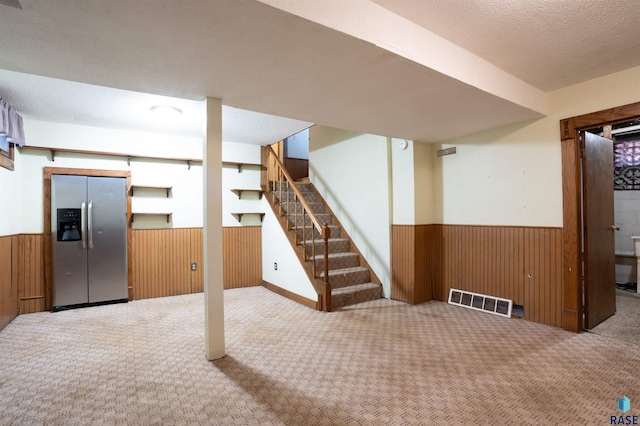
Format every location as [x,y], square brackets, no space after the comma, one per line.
[344,270]
[354,288]
[320,240]
[308,226]
[335,255]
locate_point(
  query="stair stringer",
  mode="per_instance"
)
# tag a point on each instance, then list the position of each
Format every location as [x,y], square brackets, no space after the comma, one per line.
[316,283]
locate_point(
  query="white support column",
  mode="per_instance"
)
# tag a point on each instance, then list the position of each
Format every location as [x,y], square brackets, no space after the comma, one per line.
[213,273]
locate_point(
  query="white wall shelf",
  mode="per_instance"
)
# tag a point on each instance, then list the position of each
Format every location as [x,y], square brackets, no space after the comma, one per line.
[239,191]
[129,157]
[238,216]
[241,166]
[166,188]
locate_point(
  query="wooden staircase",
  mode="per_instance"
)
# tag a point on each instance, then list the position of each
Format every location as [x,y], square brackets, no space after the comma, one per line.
[349,276]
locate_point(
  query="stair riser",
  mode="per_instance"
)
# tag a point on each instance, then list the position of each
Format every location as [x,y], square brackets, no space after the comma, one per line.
[322,217]
[334,231]
[341,262]
[309,196]
[338,301]
[301,186]
[334,247]
[348,279]
[290,208]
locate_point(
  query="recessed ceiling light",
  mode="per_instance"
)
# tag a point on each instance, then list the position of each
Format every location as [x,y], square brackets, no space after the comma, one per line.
[166,110]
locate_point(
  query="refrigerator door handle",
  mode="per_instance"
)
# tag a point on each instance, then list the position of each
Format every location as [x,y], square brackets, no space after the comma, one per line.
[90,224]
[83,225]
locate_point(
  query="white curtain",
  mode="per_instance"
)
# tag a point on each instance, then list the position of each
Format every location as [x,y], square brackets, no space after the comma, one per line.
[10,124]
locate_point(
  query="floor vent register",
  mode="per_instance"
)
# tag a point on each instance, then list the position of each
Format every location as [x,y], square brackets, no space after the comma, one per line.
[481,302]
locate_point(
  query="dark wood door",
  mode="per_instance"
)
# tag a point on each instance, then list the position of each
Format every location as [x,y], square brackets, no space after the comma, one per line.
[599,239]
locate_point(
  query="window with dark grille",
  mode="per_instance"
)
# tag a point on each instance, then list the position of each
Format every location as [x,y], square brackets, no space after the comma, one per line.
[626,163]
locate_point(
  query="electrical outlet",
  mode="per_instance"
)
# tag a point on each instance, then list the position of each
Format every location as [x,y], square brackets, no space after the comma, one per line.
[275,266]
[194,266]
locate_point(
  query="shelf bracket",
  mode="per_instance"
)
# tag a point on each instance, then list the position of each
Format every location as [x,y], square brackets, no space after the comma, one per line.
[238,216]
[53,155]
[188,168]
[129,160]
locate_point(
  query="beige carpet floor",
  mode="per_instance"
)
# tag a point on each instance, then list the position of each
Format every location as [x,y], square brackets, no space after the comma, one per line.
[379,363]
[625,323]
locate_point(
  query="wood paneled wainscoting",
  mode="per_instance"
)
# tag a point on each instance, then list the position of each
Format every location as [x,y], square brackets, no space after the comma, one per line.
[298,168]
[161,266]
[8,281]
[30,264]
[22,289]
[242,258]
[519,263]
[162,260]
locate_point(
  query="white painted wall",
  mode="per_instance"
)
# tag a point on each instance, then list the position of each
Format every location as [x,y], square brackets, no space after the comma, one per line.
[185,200]
[513,175]
[10,199]
[298,145]
[413,184]
[423,158]
[276,249]
[352,172]
[627,217]
[248,178]
[403,182]
[186,197]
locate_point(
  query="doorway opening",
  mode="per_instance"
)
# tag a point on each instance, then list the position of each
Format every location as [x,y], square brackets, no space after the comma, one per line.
[296,155]
[625,137]
[576,298]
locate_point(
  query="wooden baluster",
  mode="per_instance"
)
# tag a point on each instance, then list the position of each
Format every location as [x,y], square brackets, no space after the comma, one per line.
[280,188]
[326,232]
[295,218]
[325,235]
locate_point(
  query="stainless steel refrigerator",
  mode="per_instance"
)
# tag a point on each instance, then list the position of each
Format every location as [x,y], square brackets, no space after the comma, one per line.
[89,227]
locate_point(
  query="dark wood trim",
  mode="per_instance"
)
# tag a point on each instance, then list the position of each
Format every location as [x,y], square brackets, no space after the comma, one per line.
[290,295]
[571,209]
[7,158]
[47,173]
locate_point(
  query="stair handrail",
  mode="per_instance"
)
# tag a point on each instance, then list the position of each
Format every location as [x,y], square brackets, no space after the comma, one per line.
[323,228]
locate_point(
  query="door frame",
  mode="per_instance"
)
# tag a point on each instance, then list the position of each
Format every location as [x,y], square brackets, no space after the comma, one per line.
[572,306]
[48,263]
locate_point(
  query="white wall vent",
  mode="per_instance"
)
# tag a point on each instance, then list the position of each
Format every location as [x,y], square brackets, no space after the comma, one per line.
[481,302]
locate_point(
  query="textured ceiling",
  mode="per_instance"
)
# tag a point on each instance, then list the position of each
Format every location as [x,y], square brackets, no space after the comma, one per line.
[378,67]
[547,43]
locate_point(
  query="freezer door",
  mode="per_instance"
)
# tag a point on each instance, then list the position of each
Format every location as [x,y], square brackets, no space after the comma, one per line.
[107,238]
[69,257]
